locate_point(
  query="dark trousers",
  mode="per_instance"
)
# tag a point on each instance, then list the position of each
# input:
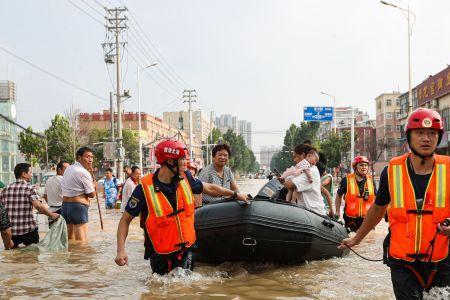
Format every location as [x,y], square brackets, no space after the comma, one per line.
[27,239]
[163,264]
[407,286]
[353,223]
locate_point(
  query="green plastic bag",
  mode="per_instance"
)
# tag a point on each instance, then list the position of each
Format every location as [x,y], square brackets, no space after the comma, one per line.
[55,240]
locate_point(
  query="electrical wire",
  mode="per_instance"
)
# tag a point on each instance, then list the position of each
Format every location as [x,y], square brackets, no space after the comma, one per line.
[85,12]
[23,127]
[156,52]
[99,4]
[93,8]
[149,75]
[53,75]
[138,38]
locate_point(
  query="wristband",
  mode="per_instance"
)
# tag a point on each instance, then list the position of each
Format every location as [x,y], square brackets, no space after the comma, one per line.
[234,195]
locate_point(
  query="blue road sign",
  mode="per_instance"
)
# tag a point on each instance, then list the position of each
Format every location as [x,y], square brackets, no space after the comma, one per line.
[318,113]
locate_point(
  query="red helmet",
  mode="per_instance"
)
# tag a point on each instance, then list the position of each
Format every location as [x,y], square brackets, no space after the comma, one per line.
[169,149]
[359,159]
[424,118]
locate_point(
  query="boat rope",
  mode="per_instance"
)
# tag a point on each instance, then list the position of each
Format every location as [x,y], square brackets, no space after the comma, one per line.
[365,258]
[361,256]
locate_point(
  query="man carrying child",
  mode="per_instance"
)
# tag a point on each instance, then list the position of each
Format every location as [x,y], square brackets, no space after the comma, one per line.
[303,181]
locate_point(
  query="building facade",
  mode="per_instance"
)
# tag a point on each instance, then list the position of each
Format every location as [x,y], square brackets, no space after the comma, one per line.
[201,124]
[153,130]
[434,93]
[8,132]
[239,127]
[266,153]
[388,128]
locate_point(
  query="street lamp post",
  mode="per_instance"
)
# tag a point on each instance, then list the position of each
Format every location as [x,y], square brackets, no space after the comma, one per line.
[408,13]
[139,110]
[334,108]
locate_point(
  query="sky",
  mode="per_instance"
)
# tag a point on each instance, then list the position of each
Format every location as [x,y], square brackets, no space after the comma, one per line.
[261,60]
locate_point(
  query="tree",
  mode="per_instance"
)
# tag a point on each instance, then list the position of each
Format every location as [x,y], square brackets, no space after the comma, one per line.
[75,134]
[242,158]
[32,146]
[335,146]
[59,143]
[130,143]
[295,135]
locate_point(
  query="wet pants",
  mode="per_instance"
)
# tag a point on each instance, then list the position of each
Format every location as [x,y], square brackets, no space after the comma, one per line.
[353,223]
[163,264]
[406,284]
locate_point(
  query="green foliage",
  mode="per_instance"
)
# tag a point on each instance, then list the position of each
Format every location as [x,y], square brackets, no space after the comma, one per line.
[295,135]
[242,158]
[335,146]
[130,143]
[32,147]
[59,142]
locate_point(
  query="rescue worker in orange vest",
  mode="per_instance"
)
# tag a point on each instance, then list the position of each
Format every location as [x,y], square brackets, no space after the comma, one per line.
[358,191]
[414,191]
[165,202]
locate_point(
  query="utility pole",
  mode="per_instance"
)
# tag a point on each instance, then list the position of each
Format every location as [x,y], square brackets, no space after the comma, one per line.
[211,127]
[111,112]
[115,23]
[189,96]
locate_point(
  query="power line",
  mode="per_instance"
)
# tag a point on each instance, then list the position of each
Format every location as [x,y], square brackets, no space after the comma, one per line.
[54,75]
[152,57]
[148,74]
[23,127]
[93,8]
[157,53]
[85,12]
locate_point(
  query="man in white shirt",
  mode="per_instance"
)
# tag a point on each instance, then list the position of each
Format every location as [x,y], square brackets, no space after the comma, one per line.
[77,188]
[130,185]
[311,191]
[53,192]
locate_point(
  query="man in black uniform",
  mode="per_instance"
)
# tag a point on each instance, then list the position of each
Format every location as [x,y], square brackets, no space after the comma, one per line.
[165,184]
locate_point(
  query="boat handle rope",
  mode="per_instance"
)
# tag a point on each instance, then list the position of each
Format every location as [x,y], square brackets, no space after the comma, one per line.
[248,241]
[361,256]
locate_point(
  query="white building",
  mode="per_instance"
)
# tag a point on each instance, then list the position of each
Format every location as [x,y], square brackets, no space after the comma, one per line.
[8,132]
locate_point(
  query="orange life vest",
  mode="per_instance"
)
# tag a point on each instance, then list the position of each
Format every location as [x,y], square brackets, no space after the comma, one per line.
[412,228]
[355,204]
[169,230]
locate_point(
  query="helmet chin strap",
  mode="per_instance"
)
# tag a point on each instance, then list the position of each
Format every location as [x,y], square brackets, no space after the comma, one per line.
[359,174]
[423,157]
[174,170]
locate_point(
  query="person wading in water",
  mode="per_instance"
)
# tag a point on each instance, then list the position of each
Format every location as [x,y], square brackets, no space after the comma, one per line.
[165,202]
[414,191]
[358,190]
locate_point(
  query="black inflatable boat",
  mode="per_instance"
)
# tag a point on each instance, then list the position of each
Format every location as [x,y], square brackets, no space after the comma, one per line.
[267,230]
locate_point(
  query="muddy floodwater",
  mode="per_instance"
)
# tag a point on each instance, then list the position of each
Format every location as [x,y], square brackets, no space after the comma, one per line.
[89,271]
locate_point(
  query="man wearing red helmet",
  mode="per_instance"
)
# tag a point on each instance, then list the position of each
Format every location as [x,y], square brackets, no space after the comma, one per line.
[165,202]
[413,190]
[358,191]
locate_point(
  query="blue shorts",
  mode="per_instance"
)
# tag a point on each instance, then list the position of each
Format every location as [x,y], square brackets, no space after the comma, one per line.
[74,212]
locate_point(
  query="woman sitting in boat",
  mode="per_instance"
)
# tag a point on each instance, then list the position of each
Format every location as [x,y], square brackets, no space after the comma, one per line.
[219,173]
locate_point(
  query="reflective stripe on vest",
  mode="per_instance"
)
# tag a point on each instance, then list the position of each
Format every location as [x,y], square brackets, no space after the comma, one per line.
[412,228]
[355,204]
[169,230]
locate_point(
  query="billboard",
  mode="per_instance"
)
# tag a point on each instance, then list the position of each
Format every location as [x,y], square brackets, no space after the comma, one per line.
[318,113]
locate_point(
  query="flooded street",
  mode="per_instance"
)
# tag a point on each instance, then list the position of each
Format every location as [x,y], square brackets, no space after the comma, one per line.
[89,271]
